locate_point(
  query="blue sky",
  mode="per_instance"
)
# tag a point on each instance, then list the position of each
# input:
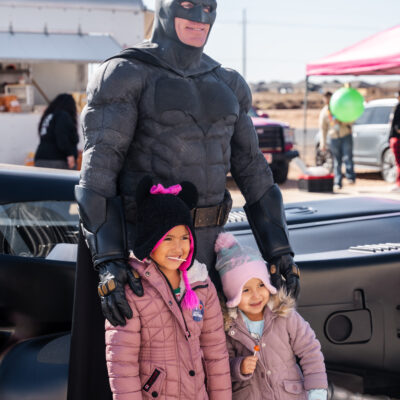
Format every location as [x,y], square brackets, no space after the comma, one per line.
[284,35]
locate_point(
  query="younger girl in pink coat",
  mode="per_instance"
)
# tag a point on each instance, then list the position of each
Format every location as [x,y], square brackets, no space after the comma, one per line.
[265,333]
[174,346]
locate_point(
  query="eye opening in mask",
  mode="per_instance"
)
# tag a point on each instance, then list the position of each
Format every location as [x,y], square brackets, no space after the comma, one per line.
[188,5]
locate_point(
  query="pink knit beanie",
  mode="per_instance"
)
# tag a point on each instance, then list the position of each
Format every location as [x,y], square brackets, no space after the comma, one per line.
[236,266]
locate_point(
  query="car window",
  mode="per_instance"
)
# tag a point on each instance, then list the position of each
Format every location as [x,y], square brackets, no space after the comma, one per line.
[43,229]
[381,115]
[375,115]
[365,117]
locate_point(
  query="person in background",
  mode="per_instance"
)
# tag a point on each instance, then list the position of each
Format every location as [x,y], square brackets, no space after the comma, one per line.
[339,135]
[394,140]
[58,134]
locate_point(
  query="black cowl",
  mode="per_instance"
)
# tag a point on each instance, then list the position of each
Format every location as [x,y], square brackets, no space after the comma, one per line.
[165,43]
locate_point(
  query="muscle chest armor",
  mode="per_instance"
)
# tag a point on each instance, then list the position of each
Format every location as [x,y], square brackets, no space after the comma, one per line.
[183,132]
[205,100]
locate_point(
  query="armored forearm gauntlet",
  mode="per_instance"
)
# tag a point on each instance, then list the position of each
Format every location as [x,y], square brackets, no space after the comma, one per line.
[268,223]
[103,225]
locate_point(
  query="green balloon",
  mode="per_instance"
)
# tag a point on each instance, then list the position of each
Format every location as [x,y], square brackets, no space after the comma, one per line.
[347,104]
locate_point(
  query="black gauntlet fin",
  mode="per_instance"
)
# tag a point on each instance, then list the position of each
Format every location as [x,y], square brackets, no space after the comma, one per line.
[268,223]
[103,225]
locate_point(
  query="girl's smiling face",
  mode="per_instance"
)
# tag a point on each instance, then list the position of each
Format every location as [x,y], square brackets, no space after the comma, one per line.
[254,298]
[173,250]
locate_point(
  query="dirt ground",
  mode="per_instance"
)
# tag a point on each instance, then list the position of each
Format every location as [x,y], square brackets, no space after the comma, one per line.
[272,100]
[368,184]
[295,118]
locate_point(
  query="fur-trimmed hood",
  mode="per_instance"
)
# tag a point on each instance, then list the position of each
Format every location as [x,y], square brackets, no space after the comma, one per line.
[280,304]
[196,273]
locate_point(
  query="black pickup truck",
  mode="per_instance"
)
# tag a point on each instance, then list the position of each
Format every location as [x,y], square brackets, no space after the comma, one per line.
[348,251]
[276,141]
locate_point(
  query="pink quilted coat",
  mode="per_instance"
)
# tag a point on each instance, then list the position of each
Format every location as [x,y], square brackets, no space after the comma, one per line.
[164,352]
[277,376]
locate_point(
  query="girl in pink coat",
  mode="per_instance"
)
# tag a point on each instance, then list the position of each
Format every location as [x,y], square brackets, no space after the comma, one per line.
[174,346]
[265,333]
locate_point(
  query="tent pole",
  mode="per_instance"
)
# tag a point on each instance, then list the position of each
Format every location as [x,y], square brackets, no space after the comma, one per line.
[305,119]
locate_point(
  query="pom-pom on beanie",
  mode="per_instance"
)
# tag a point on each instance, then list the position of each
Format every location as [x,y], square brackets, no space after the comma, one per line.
[236,265]
[159,210]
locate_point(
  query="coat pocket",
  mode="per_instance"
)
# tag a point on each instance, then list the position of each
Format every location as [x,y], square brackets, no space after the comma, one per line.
[152,387]
[296,388]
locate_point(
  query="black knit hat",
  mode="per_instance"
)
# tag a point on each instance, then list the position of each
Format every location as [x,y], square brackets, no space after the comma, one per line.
[159,213]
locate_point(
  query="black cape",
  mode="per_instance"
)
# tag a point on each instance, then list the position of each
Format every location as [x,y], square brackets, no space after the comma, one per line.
[88,378]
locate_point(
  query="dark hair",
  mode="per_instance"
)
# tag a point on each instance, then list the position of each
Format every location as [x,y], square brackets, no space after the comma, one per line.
[328,94]
[63,102]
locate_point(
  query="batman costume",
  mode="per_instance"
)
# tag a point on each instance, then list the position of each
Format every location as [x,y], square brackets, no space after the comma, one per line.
[165,109]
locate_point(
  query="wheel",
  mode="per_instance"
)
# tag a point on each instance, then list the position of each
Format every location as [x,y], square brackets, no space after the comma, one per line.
[324,159]
[389,169]
[280,170]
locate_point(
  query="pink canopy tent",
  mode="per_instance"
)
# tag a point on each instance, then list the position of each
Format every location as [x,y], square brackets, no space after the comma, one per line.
[376,55]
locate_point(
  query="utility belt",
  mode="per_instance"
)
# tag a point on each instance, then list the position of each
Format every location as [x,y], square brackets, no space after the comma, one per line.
[204,217]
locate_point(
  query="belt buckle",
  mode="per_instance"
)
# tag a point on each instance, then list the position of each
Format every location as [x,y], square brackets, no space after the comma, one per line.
[220,221]
[205,217]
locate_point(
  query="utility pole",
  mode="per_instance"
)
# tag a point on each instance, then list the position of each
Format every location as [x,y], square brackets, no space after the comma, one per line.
[244,44]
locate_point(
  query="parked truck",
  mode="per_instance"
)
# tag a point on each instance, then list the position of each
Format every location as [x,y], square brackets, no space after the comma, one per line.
[276,141]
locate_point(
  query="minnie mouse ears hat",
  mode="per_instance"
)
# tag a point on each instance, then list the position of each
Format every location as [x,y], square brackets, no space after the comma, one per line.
[159,210]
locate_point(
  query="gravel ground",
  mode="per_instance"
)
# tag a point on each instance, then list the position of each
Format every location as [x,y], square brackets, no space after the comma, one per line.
[368,184]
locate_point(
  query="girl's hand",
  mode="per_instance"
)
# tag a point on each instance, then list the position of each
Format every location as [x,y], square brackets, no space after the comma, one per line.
[248,365]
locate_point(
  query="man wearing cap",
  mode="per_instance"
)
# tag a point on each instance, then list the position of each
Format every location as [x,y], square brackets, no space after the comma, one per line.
[165,109]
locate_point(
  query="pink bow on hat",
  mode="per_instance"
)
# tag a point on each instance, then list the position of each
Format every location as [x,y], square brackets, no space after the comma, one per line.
[160,189]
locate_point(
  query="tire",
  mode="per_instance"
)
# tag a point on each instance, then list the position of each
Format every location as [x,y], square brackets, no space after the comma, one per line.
[324,159]
[388,167]
[280,170]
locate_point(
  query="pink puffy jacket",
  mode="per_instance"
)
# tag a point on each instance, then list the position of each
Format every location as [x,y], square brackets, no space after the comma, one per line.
[164,352]
[277,376]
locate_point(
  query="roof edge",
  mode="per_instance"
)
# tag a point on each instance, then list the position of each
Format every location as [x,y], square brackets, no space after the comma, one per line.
[81,5]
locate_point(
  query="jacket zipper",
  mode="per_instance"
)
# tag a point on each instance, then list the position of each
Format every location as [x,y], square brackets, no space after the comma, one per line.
[187,336]
[252,338]
[187,333]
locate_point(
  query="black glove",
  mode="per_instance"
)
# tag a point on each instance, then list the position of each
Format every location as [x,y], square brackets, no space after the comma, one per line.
[284,272]
[114,275]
